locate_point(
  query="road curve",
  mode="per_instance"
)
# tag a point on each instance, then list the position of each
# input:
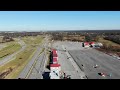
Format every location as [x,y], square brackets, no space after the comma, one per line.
[11,57]
[35,65]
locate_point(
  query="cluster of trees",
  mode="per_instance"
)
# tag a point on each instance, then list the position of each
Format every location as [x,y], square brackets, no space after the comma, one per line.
[112,33]
[114,38]
[57,37]
[64,36]
[22,34]
[7,39]
[89,38]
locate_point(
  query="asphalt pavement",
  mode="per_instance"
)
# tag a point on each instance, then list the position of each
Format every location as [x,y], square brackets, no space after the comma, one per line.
[86,59]
[106,64]
[25,71]
[38,68]
[66,65]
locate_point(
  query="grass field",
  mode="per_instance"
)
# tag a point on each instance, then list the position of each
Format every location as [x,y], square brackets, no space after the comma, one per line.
[113,47]
[32,40]
[108,42]
[9,49]
[18,64]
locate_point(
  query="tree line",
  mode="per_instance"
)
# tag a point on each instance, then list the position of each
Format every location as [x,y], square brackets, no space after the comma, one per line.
[114,38]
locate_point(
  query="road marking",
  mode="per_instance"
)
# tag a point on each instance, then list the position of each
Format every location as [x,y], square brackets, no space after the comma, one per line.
[29,72]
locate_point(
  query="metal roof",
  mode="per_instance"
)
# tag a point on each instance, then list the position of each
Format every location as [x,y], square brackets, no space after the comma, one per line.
[54,59]
[55,55]
[54,65]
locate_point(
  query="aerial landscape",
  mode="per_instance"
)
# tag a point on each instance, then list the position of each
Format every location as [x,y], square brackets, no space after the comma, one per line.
[60,45]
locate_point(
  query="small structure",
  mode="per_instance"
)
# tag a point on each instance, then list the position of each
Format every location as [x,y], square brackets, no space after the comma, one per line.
[92,44]
[55,71]
[86,44]
[100,44]
[54,75]
[55,67]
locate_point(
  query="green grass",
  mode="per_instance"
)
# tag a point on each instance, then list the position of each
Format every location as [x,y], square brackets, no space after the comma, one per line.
[10,49]
[19,63]
[42,50]
[32,40]
[21,60]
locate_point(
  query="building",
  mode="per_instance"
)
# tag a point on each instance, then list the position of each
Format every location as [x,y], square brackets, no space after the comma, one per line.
[92,44]
[55,71]
[86,44]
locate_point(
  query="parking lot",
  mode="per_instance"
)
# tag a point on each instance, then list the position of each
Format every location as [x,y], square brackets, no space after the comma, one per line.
[86,59]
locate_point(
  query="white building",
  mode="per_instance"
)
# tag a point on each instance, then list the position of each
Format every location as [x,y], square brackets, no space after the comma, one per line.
[55,71]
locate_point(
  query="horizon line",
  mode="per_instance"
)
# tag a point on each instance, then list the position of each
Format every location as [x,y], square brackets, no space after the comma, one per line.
[56,30]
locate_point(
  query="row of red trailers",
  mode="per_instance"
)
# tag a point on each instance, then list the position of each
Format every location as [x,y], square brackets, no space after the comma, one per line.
[54,66]
[54,59]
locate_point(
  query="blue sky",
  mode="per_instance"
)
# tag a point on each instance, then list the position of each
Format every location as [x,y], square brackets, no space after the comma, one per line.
[58,20]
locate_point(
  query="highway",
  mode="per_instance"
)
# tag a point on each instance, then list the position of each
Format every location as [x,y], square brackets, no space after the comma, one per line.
[38,68]
[12,56]
[35,68]
[86,59]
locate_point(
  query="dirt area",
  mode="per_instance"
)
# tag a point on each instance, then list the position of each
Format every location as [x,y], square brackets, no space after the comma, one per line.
[5,73]
[109,47]
[109,52]
[74,38]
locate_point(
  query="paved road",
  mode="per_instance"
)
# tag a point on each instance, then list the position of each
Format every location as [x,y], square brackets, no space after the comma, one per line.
[35,68]
[12,56]
[38,68]
[25,71]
